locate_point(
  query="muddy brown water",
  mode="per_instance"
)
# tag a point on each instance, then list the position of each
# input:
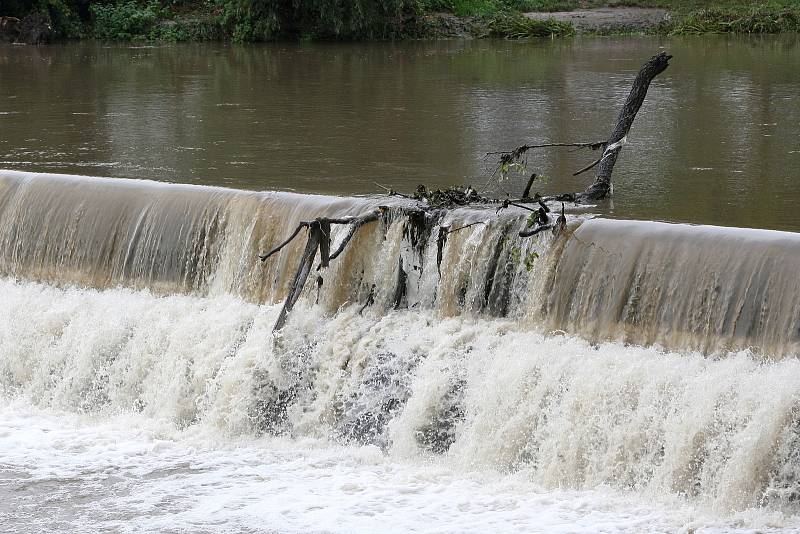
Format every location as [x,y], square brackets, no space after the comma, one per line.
[717,141]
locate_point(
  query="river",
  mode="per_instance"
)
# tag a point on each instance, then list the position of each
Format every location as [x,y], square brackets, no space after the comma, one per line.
[633,373]
[719,127]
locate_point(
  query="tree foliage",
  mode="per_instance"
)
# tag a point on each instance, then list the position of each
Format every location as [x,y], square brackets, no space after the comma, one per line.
[257,20]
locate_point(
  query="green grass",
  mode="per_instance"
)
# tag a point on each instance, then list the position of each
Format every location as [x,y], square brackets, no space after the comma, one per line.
[725,20]
[681,7]
[466,8]
[688,16]
[515,26]
[694,17]
[252,20]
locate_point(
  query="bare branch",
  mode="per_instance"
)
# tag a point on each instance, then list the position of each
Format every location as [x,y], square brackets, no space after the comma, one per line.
[527,191]
[524,148]
[534,231]
[448,231]
[391,192]
[588,167]
[507,203]
[355,225]
[277,249]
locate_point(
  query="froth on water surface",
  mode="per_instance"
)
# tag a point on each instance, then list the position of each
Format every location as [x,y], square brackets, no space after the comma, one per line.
[707,440]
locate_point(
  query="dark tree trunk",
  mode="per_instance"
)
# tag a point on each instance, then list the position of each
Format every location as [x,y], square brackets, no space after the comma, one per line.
[400,288]
[315,237]
[602,184]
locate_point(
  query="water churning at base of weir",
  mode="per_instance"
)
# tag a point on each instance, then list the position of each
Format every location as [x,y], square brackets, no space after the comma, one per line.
[132,295]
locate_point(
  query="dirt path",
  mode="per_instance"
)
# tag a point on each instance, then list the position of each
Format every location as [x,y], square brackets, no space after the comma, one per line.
[608,18]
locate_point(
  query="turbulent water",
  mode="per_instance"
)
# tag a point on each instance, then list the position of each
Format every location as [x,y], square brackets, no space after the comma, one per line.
[619,376]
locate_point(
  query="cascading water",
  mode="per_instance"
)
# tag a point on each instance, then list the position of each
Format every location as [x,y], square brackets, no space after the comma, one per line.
[145,298]
[700,287]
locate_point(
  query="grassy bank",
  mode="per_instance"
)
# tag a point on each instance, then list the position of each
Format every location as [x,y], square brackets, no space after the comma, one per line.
[698,17]
[263,20]
[774,16]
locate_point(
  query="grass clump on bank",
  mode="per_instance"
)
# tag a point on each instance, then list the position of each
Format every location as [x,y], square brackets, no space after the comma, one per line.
[265,20]
[516,26]
[726,20]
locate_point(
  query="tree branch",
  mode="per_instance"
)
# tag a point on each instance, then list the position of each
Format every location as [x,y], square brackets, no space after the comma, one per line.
[355,225]
[277,249]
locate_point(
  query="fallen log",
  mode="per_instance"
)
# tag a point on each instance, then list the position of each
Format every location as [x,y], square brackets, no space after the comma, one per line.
[319,240]
[315,237]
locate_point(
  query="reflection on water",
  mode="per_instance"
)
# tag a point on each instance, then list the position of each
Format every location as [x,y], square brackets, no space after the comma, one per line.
[717,140]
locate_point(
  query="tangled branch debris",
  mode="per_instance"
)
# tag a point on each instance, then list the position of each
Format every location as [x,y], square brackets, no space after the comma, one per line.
[319,240]
[430,205]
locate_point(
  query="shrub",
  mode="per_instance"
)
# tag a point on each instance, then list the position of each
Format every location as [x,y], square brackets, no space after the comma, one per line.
[258,20]
[718,20]
[123,21]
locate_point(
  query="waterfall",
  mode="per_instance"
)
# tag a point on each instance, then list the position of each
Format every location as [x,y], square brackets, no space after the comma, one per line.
[686,287]
[701,287]
[523,355]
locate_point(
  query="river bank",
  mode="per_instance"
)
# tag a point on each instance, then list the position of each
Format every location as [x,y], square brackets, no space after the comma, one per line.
[247,21]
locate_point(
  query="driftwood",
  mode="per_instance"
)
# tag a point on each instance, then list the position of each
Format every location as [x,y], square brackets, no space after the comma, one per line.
[400,287]
[319,240]
[527,191]
[438,201]
[611,148]
[602,184]
[315,237]
[354,226]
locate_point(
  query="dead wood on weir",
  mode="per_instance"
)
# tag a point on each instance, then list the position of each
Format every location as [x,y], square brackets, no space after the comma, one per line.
[527,191]
[354,226]
[652,68]
[319,240]
[315,236]
[611,148]
[400,286]
[430,205]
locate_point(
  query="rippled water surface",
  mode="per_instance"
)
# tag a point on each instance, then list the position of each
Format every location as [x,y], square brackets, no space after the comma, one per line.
[717,140]
[142,388]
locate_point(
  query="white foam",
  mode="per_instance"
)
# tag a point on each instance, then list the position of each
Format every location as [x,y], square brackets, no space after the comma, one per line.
[139,412]
[63,472]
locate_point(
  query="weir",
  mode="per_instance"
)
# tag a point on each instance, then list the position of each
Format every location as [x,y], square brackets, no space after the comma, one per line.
[706,288]
[122,295]
[682,287]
